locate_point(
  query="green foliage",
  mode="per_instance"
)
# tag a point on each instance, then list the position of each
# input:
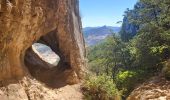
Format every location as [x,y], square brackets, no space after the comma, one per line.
[130,58]
[127,80]
[151,45]
[100,88]
[105,55]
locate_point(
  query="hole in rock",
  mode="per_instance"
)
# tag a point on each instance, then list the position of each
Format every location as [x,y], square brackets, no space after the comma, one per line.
[43,56]
[46,63]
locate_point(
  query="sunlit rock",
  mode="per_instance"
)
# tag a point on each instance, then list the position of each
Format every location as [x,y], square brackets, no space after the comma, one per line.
[54,22]
[46,54]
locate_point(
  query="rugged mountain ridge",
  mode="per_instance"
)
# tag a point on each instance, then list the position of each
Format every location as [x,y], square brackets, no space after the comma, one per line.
[93,35]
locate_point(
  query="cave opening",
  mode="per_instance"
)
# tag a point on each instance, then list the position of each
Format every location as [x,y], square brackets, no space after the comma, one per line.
[46,62]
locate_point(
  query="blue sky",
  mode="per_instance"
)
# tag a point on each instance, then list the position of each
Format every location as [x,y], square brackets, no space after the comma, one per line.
[103,12]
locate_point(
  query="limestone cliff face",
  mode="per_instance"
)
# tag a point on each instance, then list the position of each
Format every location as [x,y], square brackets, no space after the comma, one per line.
[55,22]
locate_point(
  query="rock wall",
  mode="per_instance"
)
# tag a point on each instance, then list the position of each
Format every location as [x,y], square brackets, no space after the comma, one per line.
[23,22]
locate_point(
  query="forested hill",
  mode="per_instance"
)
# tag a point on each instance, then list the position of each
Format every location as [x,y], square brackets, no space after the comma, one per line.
[141,53]
[94,35]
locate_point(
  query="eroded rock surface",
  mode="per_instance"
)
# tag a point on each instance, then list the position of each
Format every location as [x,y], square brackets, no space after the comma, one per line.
[158,88]
[55,23]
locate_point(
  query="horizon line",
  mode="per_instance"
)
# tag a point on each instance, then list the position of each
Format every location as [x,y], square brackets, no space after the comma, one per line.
[100,26]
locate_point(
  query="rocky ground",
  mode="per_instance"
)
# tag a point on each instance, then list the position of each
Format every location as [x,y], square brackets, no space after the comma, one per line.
[158,88]
[31,89]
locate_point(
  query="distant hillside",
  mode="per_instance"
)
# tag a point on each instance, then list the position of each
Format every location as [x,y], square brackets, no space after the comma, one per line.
[94,35]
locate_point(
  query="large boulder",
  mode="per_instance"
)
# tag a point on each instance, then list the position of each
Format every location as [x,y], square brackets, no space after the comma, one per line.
[157,88]
[23,22]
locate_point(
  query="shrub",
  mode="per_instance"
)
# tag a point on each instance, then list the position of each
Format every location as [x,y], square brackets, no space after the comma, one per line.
[127,80]
[100,88]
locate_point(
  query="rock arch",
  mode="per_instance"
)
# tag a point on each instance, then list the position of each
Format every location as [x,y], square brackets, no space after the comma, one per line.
[27,22]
